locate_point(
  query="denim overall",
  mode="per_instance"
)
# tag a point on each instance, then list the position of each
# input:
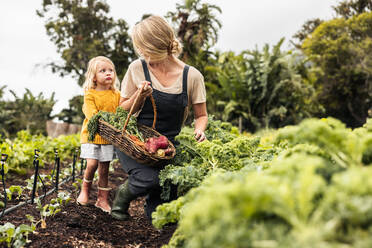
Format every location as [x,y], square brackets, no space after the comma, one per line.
[144,179]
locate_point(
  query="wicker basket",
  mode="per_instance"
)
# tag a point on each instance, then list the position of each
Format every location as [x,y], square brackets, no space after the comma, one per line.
[121,139]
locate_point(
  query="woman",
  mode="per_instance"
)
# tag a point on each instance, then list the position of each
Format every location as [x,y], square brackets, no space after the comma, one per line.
[174,86]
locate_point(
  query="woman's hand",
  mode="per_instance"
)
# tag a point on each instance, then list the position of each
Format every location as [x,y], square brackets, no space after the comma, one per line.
[147,90]
[199,135]
[201,120]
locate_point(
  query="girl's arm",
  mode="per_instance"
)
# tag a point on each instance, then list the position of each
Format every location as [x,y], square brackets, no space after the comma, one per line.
[201,120]
[89,106]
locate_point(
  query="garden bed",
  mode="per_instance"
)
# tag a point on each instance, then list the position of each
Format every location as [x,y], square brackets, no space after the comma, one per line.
[88,226]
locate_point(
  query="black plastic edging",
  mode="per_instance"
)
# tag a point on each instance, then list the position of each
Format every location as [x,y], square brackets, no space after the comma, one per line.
[41,197]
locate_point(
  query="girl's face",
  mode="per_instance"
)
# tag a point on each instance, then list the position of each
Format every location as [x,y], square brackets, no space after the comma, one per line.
[104,76]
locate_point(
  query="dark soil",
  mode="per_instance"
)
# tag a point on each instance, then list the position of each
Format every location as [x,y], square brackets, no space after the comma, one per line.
[88,226]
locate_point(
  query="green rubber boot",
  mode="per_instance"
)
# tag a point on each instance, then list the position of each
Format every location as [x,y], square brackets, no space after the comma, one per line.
[121,202]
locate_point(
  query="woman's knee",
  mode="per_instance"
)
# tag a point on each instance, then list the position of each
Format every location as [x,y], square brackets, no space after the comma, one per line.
[142,181]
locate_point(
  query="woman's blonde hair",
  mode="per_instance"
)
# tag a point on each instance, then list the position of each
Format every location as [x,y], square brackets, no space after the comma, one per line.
[155,39]
[89,82]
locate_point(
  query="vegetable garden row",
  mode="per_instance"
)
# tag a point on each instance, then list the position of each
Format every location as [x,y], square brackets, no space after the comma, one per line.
[33,154]
[299,186]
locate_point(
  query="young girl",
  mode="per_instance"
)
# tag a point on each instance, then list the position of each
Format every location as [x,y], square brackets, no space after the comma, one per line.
[99,94]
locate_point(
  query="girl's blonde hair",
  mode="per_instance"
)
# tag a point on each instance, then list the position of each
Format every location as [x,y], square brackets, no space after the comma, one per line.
[89,82]
[155,39]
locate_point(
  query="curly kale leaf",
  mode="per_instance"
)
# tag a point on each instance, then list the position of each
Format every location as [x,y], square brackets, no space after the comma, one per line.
[117,120]
[93,124]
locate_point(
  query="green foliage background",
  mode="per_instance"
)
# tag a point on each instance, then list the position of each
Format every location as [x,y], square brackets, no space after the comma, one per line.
[341,49]
[325,74]
[29,112]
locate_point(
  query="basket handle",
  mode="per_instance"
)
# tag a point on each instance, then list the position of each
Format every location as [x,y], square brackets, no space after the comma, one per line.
[134,103]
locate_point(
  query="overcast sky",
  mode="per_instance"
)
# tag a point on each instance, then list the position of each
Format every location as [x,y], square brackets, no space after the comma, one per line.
[246,23]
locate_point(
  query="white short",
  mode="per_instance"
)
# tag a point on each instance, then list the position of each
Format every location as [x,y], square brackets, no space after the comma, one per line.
[102,153]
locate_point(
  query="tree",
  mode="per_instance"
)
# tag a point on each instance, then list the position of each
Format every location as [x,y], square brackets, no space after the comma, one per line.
[345,9]
[29,112]
[307,28]
[74,114]
[2,91]
[342,50]
[81,29]
[350,8]
[3,116]
[197,27]
[262,88]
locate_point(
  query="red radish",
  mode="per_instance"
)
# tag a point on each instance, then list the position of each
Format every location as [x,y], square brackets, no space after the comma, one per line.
[162,142]
[151,146]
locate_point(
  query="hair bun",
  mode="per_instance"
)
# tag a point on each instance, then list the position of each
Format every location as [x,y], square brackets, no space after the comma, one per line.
[175,47]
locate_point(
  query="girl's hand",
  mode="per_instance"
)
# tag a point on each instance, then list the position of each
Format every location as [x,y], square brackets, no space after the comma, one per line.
[147,90]
[199,135]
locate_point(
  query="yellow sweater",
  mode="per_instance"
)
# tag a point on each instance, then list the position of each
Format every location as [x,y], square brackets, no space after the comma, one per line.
[94,101]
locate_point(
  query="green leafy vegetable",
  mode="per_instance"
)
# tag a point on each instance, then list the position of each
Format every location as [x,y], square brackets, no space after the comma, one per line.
[117,120]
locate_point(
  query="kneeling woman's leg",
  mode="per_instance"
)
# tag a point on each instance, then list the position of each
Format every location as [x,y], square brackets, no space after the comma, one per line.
[153,200]
[142,180]
[121,202]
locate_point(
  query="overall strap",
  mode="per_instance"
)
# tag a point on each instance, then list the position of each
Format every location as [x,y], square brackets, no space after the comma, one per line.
[184,78]
[146,71]
[184,85]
